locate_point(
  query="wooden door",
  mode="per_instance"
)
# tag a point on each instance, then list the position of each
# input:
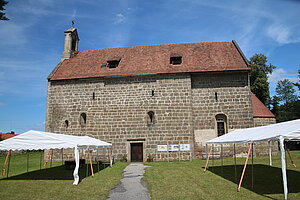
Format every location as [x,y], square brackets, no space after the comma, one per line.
[136,152]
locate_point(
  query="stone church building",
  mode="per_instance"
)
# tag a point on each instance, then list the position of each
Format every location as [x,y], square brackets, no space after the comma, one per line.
[148,99]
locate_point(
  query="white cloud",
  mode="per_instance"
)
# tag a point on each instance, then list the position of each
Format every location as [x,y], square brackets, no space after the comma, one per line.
[283,34]
[280,74]
[2,104]
[119,18]
[277,75]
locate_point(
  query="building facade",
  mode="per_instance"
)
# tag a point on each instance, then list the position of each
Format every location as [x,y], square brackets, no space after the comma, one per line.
[144,99]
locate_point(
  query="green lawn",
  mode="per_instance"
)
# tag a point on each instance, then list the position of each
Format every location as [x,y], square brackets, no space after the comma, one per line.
[173,180]
[186,180]
[55,182]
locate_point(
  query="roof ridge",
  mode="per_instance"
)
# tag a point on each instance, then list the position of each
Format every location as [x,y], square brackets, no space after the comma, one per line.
[154,45]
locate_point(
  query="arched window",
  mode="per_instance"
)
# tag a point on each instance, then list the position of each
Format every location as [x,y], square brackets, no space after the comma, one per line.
[82,119]
[66,123]
[221,123]
[151,118]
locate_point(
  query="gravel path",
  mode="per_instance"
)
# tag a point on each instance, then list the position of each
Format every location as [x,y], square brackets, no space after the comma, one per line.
[131,187]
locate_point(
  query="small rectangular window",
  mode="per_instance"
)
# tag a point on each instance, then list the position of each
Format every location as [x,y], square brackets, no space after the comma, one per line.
[113,63]
[176,60]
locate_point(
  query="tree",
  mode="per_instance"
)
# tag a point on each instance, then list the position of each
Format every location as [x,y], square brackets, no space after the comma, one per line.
[2,14]
[275,105]
[288,111]
[298,84]
[259,77]
[285,91]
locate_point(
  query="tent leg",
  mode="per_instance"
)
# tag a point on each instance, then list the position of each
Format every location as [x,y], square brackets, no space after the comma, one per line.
[27,167]
[283,167]
[98,159]
[87,168]
[47,159]
[234,156]
[222,159]
[245,166]
[8,163]
[252,180]
[91,163]
[62,156]
[270,153]
[75,173]
[4,164]
[287,150]
[207,158]
[41,160]
[206,150]
[51,158]
[110,158]
[213,157]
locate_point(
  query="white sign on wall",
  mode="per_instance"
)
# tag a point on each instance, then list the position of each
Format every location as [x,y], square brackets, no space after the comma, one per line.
[185,147]
[162,147]
[173,147]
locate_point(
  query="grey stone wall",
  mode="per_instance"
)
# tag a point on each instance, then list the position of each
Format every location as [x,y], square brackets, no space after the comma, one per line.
[116,108]
[220,93]
[261,121]
[118,112]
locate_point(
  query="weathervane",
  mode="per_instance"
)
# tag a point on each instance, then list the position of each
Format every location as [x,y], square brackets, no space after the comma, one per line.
[73,22]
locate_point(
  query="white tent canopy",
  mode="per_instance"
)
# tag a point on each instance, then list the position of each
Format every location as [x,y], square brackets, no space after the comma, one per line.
[275,132]
[288,130]
[38,140]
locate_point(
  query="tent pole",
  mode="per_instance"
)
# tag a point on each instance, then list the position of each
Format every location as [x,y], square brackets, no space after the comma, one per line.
[206,150]
[213,158]
[283,167]
[87,168]
[287,150]
[222,159]
[8,163]
[245,166]
[51,158]
[234,156]
[62,156]
[270,152]
[75,173]
[207,158]
[97,159]
[252,182]
[111,157]
[41,160]
[27,160]
[91,163]
[47,158]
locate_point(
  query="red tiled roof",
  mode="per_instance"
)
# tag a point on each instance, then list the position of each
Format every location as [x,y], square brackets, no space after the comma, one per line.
[6,136]
[196,57]
[259,109]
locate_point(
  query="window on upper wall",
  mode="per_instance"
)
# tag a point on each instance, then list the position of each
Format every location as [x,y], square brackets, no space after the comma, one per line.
[176,60]
[82,119]
[221,123]
[151,118]
[113,63]
[66,123]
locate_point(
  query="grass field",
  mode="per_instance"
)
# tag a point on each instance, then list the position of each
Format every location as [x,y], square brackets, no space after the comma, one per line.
[173,180]
[55,182]
[186,180]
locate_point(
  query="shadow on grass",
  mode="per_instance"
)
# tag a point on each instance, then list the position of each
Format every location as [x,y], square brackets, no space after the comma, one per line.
[56,173]
[266,179]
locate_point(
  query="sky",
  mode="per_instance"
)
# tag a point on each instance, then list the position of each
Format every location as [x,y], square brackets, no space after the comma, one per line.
[31,42]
